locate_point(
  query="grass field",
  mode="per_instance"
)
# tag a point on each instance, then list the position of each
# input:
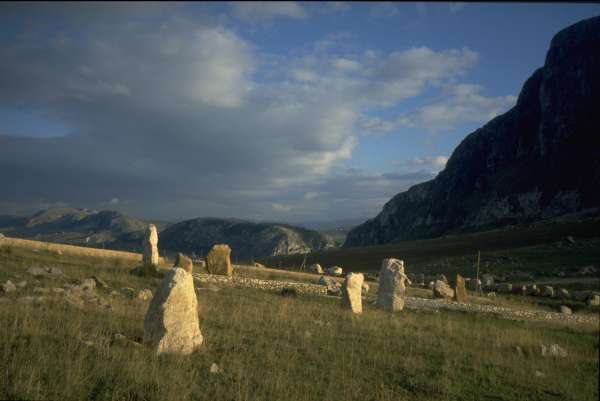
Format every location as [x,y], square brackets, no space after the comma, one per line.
[275,348]
[536,249]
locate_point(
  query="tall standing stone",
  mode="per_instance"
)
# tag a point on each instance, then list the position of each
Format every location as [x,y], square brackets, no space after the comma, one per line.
[171,323]
[460,291]
[218,260]
[352,291]
[150,256]
[392,285]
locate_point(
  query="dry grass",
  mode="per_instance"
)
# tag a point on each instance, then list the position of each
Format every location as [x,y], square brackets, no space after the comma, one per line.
[276,348]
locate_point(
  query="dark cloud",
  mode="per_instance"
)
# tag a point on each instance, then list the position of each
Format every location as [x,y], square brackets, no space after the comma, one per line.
[163,112]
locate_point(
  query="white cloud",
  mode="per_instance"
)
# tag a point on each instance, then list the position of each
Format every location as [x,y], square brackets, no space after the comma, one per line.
[345,64]
[255,11]
[114,201]
[280,207]
[463,103]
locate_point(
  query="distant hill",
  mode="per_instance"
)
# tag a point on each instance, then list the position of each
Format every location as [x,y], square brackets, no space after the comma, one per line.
[248,240]
[539,160]
[106,228]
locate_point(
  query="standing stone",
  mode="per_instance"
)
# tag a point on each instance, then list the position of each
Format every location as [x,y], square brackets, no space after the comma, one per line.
[150,256]
[442,290]
[392,285]
[171,323]
[184,262]
[218,260]
[315,268]
[460,291]
[352,291]
[547,291]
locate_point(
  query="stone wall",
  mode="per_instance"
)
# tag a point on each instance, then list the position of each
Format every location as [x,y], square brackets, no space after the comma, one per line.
[271,285]
[70,249]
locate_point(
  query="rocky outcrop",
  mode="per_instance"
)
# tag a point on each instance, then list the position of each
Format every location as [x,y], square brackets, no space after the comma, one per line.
[539,160]
[172,323]
[248,240]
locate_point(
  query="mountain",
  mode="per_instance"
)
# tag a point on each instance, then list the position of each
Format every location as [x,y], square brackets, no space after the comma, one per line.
[106,228]
[248,240]
[539,160]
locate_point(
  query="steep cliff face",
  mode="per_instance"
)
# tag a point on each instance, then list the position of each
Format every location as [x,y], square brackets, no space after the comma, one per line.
[539,160]
[247,239]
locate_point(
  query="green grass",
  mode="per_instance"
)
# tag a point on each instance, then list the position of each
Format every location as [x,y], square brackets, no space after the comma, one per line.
[276,348]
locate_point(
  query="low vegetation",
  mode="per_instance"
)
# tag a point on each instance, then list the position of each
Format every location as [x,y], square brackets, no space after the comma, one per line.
[271,347]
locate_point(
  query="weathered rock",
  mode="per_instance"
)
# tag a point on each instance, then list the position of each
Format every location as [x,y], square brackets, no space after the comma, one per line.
[352,292]
[533,290]
[365,289]
[215,369]
[100,283]
[150,246]
[442,290]
[335,271]
[259,265]
[547,291]
[392,285]
[566,310]
[561,293]
[491,295]
[460,292]
[171,323]
[89,284]
[144,295]
[7,287]
[553,350]
[218,260]
[442,277]
[315,268]
[333,287]
[593,300]
[184,262]
[487,281]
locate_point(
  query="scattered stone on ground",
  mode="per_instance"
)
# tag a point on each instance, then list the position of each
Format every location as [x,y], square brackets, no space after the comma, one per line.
[184,262]
[460,291]
[315,268]
[215,369]
[442,290]
[561,293]
[392,285]
[335,271]
[7,287]
[218,260]
[259,265]
[150,246]
[547,291]
[100,283]
[144,295]
[553,350]
[333,287]
[171,323]
[594,300]
[352,291]
[88,284]
[566,310]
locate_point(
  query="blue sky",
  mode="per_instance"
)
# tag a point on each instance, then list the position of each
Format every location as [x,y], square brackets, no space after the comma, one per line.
[281,111]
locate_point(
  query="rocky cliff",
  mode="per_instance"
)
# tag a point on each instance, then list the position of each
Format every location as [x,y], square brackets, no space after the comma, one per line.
[539,160]
[247,240]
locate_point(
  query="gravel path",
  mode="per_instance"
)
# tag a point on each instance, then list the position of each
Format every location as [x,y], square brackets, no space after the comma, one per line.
[437,304]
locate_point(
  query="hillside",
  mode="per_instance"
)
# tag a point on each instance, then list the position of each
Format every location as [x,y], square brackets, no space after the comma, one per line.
[248,240]
[537,161]
[106,228]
